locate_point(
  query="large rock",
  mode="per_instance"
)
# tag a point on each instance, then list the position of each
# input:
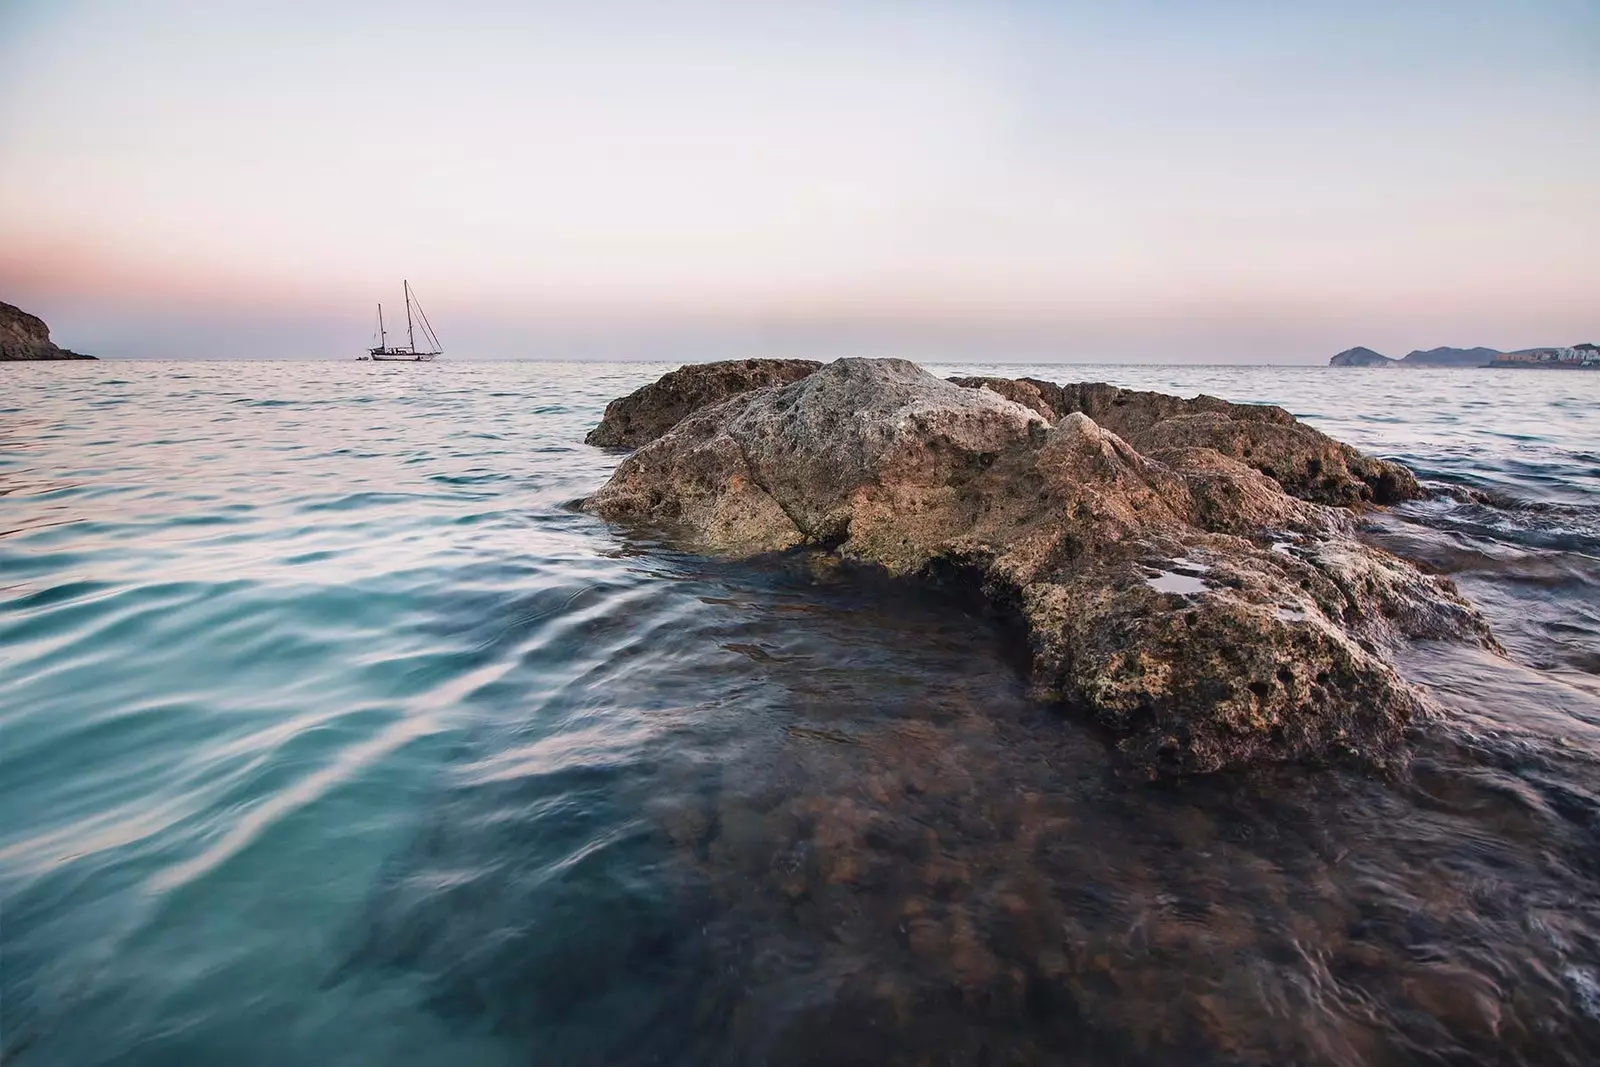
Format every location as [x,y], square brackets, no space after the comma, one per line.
[26,337]
[1206,616]
[648,412]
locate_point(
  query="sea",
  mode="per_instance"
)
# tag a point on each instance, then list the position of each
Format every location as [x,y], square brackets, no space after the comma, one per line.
[330,733]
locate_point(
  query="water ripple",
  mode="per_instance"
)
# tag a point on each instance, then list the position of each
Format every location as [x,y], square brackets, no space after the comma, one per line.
[332,735]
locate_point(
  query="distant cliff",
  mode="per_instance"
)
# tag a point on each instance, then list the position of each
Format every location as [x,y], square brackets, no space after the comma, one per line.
[1360,357]
[26,337]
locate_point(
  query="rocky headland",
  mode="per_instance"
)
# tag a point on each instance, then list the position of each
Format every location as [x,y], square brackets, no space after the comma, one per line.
[26,337]
[1187,572]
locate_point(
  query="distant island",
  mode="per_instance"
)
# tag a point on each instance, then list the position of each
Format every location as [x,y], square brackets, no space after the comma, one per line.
[1361,357]
[26,337]
[1578,357]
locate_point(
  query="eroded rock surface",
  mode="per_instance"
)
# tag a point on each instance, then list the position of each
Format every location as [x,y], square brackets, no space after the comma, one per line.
[1208,611]
[648,412]
[1304,461]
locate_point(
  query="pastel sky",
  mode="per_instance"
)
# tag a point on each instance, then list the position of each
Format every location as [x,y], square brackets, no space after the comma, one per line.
[1230,181]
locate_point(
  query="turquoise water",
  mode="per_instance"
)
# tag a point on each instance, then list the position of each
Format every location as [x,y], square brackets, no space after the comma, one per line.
[331,734]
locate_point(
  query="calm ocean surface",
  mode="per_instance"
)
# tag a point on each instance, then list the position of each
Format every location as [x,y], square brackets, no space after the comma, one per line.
[330,735]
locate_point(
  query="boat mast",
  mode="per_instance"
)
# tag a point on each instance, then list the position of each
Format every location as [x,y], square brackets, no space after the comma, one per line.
[409,337]
[383,335]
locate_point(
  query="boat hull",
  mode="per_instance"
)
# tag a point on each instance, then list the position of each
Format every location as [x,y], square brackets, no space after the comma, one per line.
[405,357]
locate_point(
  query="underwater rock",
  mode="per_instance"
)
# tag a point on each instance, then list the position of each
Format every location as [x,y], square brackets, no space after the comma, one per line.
[648,412]
[1198,595]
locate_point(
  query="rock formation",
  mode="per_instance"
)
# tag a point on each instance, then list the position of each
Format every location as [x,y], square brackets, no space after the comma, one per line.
[26,337]
[1305,462]
[651,411]
[1176,563]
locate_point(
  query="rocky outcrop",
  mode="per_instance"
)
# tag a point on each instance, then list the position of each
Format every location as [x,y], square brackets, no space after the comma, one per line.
[1361,357]
[1209,615]
[648,412]
[26,337]
[1305,462]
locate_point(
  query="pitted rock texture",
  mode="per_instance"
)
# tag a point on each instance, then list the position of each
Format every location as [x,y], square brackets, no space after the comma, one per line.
[1210,615]
[1304,461]
[648,412]
[26,337]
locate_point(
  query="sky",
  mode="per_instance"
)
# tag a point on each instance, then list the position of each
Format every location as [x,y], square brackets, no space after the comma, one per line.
[1226,181]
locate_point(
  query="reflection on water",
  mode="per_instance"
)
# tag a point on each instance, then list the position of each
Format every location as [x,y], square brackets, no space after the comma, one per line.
[332,736]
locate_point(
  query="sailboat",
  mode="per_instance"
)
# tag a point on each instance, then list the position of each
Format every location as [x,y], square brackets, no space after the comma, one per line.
[388,353]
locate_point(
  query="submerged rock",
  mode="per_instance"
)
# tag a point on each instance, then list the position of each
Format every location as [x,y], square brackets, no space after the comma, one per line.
[26,337]
[648,412]
[1177,566]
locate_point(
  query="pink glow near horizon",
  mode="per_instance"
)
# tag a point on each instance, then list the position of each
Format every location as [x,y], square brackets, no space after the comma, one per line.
[1243,180]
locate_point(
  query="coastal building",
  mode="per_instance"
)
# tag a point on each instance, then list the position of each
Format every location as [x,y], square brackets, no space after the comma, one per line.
[1584,356]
